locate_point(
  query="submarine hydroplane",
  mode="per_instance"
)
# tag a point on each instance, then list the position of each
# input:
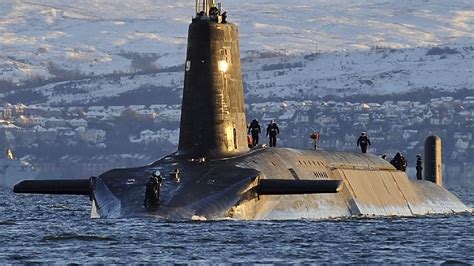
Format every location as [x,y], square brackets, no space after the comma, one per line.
[214,174]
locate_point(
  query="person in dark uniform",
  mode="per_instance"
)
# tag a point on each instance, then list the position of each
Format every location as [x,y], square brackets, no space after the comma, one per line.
[213,14]
[224,17]
[419,166]
[272,132]
[396,161]
[399,162]
[363,141]
[255,130]
[213,11]
[404,163]
[152,191]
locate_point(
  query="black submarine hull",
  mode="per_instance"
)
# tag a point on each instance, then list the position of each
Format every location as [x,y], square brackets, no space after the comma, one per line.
[231,188]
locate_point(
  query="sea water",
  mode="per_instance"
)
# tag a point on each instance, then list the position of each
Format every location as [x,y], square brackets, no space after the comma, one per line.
[58,229]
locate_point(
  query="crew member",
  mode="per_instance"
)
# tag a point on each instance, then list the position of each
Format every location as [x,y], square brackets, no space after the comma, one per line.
[404,163]
[363,141]
[272,132]
[399,162]
[224,17]
[214,14]
[255,130]
[152,191]
[419,166]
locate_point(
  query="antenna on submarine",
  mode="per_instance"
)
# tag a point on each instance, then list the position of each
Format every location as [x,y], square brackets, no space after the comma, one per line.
[202,10]
[210,10]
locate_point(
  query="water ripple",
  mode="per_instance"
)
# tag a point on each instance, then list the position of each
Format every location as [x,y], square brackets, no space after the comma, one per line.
[70,236]
[58,230]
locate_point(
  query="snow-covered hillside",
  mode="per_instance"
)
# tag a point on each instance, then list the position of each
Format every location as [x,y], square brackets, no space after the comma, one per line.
[378,71]
[54,40]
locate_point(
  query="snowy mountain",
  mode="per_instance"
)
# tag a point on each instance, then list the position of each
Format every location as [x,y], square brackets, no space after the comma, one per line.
[80,52]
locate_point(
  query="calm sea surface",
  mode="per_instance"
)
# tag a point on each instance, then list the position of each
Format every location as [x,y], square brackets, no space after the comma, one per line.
[58,229]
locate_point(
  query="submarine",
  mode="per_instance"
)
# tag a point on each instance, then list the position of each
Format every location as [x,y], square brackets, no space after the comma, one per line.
[215,175]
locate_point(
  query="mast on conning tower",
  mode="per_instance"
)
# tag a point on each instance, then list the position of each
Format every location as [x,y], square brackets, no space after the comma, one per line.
[210,10]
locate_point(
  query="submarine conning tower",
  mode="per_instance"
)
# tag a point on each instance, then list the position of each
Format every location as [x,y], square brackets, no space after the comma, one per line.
[213,122]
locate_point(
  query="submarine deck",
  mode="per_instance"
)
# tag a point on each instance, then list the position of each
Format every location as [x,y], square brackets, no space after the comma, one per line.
[225,188]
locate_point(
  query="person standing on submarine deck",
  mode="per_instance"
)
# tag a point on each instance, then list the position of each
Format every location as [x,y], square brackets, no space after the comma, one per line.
[419,167]
[255,130]
[363,142]
[152,190]
[272,132]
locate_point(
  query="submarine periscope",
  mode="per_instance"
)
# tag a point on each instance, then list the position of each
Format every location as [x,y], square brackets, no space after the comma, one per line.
[214,175]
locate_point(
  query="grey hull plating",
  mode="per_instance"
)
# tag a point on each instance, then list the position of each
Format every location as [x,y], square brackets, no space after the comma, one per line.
[227,188]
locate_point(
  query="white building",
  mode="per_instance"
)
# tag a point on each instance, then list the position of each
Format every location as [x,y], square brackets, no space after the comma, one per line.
[78,123]
[91,135]
[38,120]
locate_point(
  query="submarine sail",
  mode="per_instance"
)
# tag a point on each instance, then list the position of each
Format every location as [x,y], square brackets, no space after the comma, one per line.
[213,120]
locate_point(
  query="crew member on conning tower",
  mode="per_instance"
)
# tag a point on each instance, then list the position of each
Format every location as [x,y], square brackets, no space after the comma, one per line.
[210,10]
